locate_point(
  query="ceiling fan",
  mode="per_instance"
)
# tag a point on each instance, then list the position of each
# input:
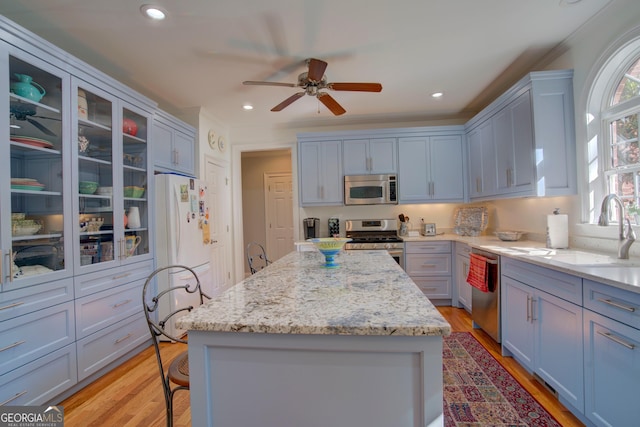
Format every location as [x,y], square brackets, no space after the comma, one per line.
[27,113]
[313,82]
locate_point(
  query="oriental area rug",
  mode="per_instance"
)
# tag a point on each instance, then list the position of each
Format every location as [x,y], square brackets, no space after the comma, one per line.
[478,391]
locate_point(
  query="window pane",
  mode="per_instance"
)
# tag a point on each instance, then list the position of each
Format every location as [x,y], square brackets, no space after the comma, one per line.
[624,142]
[626,186]
[629,86]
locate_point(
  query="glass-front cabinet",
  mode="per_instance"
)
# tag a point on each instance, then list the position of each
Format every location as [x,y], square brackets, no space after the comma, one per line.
[111,181]
[34,227]
[75,175]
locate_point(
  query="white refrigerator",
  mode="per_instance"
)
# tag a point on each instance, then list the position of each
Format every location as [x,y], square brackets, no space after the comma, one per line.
[183,237]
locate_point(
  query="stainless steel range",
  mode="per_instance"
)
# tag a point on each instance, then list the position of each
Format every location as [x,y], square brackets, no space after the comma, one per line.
[375,234]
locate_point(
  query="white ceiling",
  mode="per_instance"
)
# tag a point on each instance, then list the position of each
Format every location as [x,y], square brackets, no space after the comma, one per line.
[471,50]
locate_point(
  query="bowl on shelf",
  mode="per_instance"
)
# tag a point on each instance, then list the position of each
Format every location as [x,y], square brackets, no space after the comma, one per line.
[87,187]
[509,236]
[329,247]
[17,216]
[25,227]
[133,192]
[92,225]
[104,191]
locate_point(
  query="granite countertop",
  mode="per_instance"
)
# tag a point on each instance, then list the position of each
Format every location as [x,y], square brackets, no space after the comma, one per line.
[369,294]
[596,266]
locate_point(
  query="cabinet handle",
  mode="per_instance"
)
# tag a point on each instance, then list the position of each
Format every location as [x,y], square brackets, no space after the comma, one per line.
[120,304]
[126,337]
[617,340]
[15,344]
[478,185]
[11,399]
[431,188]
[15,304]
[1,276]
[533,310]
[121,276]
[122,251]
[617,305]
[429,265]
[528,308]
[429,289]
[10,254]
[177,157]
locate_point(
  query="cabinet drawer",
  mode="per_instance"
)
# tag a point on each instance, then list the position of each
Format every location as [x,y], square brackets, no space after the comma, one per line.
[435,247]
[34,298]
[88,284]
[618,304]
[40,381]
[562,285]
[435,287]
[463,249]
[102,309]
[25,338]
[98,350]
[428,265]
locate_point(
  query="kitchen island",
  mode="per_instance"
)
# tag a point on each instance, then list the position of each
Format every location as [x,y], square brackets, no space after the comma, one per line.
[298,344]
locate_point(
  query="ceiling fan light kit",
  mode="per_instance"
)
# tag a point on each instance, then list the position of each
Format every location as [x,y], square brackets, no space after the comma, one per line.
[313,82]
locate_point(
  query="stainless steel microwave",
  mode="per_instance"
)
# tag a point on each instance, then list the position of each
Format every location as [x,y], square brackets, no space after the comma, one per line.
[370,190]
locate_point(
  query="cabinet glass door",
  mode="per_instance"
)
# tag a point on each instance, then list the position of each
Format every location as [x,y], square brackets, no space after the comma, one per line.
[134,183]
[38,166]
[97,217]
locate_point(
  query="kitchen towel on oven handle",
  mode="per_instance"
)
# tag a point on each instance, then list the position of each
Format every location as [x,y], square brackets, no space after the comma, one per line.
[479,275]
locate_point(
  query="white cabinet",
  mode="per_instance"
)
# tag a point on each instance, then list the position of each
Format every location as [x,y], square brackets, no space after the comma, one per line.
[369,156]
[523,143]
[174,144]
[544,331]
[462,270]
[429,266]
[320,173]
[513,135]
[431,169]
[611,351]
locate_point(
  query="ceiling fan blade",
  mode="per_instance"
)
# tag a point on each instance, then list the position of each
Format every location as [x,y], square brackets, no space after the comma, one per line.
[253,83]
[331,103]
[356,87]
[316,69]
[42,128]
[288,101]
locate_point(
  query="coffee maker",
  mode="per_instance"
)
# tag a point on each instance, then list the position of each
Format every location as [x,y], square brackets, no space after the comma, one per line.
[311,227]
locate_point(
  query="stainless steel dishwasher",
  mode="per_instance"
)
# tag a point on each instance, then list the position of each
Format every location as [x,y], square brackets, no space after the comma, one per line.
[485,306]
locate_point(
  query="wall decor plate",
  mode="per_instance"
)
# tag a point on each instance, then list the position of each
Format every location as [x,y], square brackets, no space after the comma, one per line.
[213,139]
[222,144]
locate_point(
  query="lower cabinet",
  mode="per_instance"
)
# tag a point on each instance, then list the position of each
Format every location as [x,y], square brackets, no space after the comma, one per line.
[543,332]
[429,266]
[462,271]
[41,380]
[612,355]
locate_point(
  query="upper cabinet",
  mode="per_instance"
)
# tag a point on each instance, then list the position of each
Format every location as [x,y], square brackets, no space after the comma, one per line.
[112,178]
[76,175]
[523,144]
[431,168]
[320,173]
[35,220]
[174,144]
[369,156]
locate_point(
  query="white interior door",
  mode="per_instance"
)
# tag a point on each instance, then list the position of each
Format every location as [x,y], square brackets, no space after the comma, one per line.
[216,175]
[278,214]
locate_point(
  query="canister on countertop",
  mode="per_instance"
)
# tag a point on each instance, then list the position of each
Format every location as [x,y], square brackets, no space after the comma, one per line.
[334,227]
[557,230]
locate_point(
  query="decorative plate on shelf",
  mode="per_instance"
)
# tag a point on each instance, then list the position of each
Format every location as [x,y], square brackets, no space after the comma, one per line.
[35,142]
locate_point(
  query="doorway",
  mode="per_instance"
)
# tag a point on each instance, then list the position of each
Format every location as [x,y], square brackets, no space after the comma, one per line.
[255,166]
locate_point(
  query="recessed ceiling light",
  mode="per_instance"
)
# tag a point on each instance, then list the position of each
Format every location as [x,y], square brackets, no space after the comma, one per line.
[247,107]
[437,95]
[153,12]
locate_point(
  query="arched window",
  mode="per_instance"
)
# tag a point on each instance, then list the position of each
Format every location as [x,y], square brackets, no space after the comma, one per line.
[612,129]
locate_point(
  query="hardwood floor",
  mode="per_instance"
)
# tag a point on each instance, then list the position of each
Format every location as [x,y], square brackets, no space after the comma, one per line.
[131,395]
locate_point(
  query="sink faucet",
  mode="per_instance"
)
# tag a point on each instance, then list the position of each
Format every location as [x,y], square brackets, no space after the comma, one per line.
[625,238]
